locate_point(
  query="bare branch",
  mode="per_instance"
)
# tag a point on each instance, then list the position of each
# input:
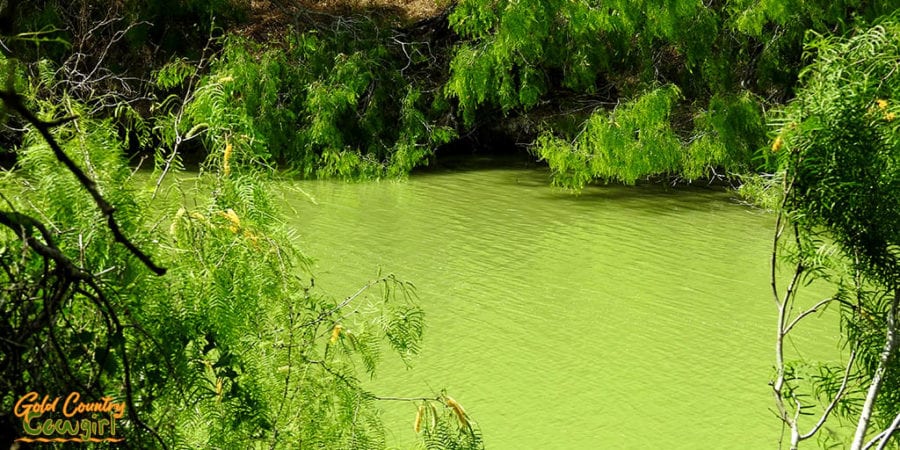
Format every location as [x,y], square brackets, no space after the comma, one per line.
[835,400]
[189,93]
[883,437]
[324,315]
[407,399]
[809,311]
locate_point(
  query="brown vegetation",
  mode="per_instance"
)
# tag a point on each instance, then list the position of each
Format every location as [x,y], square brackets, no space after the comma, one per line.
[268,19]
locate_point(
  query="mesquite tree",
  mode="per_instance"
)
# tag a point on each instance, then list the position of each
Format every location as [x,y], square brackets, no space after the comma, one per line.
[182,298]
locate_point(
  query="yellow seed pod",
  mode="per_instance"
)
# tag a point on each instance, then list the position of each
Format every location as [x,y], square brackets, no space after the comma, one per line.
[779,142]
[225,165]
[417,425]
[233,218]
[178,215]
[882,103]
[218,389]
[458,410]
[252,237]
[434,415]
[335,333]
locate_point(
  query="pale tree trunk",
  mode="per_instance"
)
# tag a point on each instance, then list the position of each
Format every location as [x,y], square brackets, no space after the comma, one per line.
[789,412]
[890,346]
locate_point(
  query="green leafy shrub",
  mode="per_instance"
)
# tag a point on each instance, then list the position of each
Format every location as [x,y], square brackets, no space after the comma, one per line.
[332,105]
[634,140]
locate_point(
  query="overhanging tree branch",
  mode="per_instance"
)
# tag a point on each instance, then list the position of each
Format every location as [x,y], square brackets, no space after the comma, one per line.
[14,102]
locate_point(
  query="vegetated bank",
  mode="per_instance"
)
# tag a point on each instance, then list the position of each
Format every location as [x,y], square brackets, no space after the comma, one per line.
[616,92]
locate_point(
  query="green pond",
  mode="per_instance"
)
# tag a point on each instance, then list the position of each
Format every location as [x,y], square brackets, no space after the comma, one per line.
[624,317]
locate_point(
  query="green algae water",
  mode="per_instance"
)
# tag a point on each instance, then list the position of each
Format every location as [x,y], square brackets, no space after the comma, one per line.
[625,317]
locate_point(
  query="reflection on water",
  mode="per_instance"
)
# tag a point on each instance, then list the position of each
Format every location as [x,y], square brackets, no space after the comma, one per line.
[624,317]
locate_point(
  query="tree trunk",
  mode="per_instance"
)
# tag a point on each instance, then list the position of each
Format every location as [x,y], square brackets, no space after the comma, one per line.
[890,346]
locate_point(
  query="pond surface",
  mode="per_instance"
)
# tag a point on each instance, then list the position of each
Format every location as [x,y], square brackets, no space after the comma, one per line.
[625,317]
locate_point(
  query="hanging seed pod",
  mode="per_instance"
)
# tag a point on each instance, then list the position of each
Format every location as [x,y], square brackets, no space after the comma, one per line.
[233,218]
[178,215]
[218,390]
[458,410]
[225,165]
[420,414]
[335,333]
[779,142]
[434,414]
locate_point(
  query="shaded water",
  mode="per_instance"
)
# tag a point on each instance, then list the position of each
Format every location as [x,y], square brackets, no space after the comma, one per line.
[625,317]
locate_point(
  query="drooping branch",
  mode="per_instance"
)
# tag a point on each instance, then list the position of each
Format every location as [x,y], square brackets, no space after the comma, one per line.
[71,280]
[407,399]
[14,102]
[118,329]
[23,226]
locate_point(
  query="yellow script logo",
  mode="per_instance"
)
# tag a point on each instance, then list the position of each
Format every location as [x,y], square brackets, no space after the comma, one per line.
[69,420]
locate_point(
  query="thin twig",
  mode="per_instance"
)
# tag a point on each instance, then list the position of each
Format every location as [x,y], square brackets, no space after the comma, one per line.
[324,315]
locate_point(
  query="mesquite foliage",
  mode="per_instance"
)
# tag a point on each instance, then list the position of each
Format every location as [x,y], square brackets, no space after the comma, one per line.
[233,346]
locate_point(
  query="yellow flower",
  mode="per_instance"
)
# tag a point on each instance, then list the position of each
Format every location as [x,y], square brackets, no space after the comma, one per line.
[779,142]
[882,103]
[889,116]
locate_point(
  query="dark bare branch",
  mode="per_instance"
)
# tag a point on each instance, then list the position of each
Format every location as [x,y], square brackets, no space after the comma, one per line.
[14,102]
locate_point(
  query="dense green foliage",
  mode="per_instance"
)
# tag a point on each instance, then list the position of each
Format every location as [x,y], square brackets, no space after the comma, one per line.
[329,96]
[838,149]
[233,346]
[842,147]
[359,96]
[637,140]
[330,106]
[728,60]
[617,91]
